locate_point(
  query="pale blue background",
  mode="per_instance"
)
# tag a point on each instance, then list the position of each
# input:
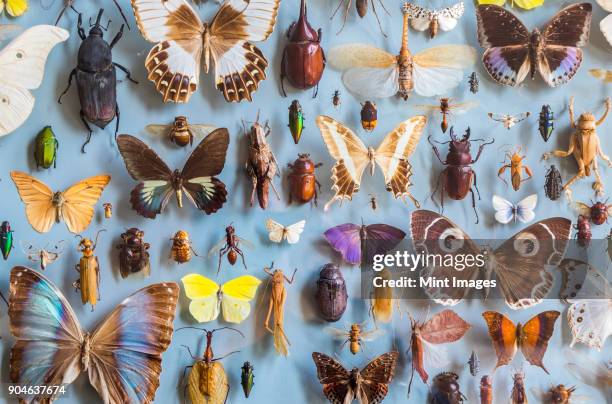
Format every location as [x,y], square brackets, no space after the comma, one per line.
[292,379]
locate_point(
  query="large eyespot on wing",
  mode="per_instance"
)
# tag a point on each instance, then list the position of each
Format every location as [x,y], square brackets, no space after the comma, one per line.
[503,336]
[38,199]
[535,336]
[127,347]
[79,201]
[47,332]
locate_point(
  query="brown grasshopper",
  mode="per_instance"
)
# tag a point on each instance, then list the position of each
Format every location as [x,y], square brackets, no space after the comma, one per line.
[276,305]
[261,165]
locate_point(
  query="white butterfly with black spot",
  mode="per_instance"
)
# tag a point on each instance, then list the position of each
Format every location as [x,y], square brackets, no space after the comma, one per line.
[506,211]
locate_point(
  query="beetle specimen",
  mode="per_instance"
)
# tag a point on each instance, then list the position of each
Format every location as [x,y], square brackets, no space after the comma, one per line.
[296,120]
[181,247]
[509,120]
[133,253]
[373,202]
[96,78]
[89,271]
[207,381]
[583,234]
[518,394]
[553,185]
[331,294]
[474,83]
[362,9]
[276,306]
[44,255]
[369,116]
[303,182]
[6,239]
[474,364]
[546,122]
[598,211]
[45,148]
[585,147]
[261,165]
[336,101]
[356,335]
[181,132]
[246,378]
[458,177]
[446,390]
[69,3]
[446,109]
[303,57]
[108,210]
[516,166]
[486,390]
[230,245]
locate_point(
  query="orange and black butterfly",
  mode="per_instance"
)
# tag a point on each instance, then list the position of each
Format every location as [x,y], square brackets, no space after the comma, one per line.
[197,179]
[368,386]
[532,338]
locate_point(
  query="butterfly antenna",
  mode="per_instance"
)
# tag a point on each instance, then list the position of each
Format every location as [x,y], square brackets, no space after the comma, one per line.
[228,328]
[192,328]
[226,355]
[97,235]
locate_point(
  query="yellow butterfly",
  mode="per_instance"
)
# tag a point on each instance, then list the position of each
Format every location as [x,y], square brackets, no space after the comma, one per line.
[75,205]
[524,4]
[14,8]
[207,297]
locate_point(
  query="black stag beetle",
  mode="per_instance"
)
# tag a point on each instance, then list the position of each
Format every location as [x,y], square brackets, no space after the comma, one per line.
[96,77]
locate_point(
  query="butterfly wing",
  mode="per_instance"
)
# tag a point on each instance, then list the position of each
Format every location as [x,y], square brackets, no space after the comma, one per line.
[152,194]
[22,67]
[377,376]
[605,25]
[535,335]
[236,297]
[79,201]
[419,17]
[379,239]
[15,8]
[505,211]
[566,32]
[439,69]
[503,335]
[275,230]
[206,191]
[293,232]
[47,332]
[346,240]
[350,154]
[582,281]
[449,16]
[348,56]
[38,199]
[333,376]
[446,326]
[525,208]
[202,292]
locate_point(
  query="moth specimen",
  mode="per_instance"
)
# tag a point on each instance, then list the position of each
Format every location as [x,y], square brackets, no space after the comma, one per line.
[516,166]
[181,132]
[370,385]
[88,269]
[506,211]
[353,157]
[197,180]
[519,263]
[44,256]
[444,19]
[122,355]
[372,72]
[184,42]
[261,165]
[278,232]
[356,336]
[512,52]
[276,307]
[230,245]
[22,68]
[447,108]
[509,120]
[75,205]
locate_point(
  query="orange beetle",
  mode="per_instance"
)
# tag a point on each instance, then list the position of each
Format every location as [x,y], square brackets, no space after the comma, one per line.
[302,179]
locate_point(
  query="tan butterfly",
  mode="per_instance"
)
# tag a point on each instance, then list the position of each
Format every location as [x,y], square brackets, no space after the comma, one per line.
[353,157]
[184,42]
[44,207]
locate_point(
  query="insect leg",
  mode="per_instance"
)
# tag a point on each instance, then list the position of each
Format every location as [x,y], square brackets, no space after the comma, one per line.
[275,191]
[128,75]
[72,74]
[254,183]
[476,186]
[474,204]
[267,320]
[239,251]
[437,186]
[502,171]
[118,116]
[597,185]
[88,128]
[378,19]
[529,173]
[222,252]
[282,75]
[122,15]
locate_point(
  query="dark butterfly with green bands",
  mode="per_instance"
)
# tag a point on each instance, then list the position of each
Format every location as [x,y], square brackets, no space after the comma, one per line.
[196,181]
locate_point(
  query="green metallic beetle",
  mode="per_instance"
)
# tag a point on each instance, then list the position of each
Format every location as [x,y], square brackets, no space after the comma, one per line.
[6,239]
[246,378]
[296,120]
[45,149]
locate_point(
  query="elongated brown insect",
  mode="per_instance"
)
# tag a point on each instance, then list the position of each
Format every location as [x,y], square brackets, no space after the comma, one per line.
[89,271]
[276,305]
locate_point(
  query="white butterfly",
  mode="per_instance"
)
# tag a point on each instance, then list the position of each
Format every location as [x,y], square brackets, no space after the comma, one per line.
[22,67]
[509,120]
[505,211]
[445,19]
[605,25]
[291,233]
[43,255]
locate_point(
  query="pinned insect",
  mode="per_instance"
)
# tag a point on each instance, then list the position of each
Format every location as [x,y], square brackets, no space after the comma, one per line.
[45,148]
[583,233]
[181,248]
[584,145]
[108,210]
[133,253]
[474,83]
[446,389]
[509,120]
[207,381]
[373,202]
[598,211]
[296,121]
[336,101]
[356,335]
[261,165]
[246,378]
[444,19]
[553,184]
[230,245]
[518,394]
[546,123]
[6,239]
[44,256]
[458,177]
[181,132]
[516,167]
[601,74]
[559,394]
[382,300]
[276,306]
[331,294]
[69,4]
[303,182]
[486,390]
[474,364]
[446,108]
[89,271]
[362,9]
[369,116]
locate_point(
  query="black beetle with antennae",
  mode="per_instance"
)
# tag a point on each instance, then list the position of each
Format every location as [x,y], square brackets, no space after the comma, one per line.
[96,77]
[70,4]
[207,380]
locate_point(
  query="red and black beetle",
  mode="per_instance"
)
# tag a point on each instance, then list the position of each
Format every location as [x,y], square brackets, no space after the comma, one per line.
[598,211]
[583,235]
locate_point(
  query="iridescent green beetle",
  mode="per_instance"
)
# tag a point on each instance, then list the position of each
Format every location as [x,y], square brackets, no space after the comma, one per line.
[246,378]
[296,120]
[45,149]
[6,239]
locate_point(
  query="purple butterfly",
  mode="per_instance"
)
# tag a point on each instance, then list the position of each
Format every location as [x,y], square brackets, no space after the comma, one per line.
[352,240]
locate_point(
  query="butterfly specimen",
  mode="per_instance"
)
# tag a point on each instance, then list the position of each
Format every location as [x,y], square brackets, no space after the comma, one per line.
[524,4]
[22,67]
[44,256]
[368,386]
[44,207]
[184,42]
[509,120]
[519,263]
[446,108]
[531,338]
[122,356]
[14,8]
[277,232]
[208,298]
[605,25]
[181,132]
[589,293]
[602,74]
[506,211]
[512,52]
[358,244]
[197,179]
[372,72]
[353,157]
[445,19]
